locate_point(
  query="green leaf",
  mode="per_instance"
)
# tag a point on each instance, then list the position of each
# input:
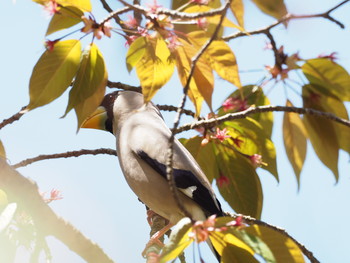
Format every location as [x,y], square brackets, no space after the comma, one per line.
[231,248]
[328,77]
[136,51]
[178,240]
[243,190]
[204,155]
[155,68]
[67,17]
[7,215]
[283,248]
[53,73]
[237,8]
[2,151]
[253,95]
[274,8]
[254,141]
[253,241]
[322,132]
[89,78]
[294,138]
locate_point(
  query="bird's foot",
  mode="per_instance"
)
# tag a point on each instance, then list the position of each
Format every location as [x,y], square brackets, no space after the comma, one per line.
[150,214]
[154,240]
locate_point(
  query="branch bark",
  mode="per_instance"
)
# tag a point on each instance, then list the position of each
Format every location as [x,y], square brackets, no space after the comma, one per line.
[268,108]
[25,193]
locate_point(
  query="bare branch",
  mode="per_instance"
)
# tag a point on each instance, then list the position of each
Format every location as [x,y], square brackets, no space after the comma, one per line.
[268,108]
[13,118]
[25,193]
[114,14]
[123,86]
[287,18]
[64,155]
[252,221]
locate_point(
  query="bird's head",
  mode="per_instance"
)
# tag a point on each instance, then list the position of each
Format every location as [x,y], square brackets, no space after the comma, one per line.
[114,107]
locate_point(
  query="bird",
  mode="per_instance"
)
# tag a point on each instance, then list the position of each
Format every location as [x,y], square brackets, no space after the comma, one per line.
[141,143]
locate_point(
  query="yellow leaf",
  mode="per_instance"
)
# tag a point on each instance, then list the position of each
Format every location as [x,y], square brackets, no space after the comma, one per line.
[89,105]
[295,138]
[155,68]
[219,56]
[237,9]
[275,8]
[183,64]
[53,73]
[90,75]
[328,77]
[2,151]
[178,240]
[84,5]
[136,51]
[283,248]
[202,75]
[67,17]
[322,132]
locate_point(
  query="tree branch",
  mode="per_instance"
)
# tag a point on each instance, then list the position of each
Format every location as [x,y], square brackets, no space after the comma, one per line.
[285,19]
[268,108]
[25,193]
[64,155]
[170,152]
[123,86]
[252,221]
[13,118]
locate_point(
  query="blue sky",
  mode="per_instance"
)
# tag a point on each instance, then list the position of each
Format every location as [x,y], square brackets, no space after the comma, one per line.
[96,198]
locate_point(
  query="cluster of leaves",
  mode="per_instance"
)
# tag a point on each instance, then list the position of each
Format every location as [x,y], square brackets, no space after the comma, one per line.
[234,240]
[229,152]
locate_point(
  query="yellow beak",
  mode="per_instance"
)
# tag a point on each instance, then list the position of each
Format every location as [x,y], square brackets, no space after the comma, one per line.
[96,120]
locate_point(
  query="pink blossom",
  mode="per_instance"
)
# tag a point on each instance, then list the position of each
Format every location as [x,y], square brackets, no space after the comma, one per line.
[256,160]
[106,28]
[332,56]
[205,141]
[130,40]
[221,134]
[51,7]
[223,181]
[235,104]
[173,43]
[54,195]
[268,46]
[50,44]
[152,8]
[131,22]
[238,222]
[201,229]
[203,23]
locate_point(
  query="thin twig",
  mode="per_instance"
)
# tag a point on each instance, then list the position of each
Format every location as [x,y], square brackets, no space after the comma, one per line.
[13,118]
[170,153]
[261,109]
[173,108]
[285,19]
[123,86]
[115,15]
[64,155]
[253,221]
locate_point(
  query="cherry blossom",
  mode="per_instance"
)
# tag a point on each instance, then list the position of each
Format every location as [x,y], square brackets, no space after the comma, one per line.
[221,134]
[223,181]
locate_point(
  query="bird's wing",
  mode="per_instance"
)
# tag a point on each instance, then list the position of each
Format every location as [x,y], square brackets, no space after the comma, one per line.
[150,143]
